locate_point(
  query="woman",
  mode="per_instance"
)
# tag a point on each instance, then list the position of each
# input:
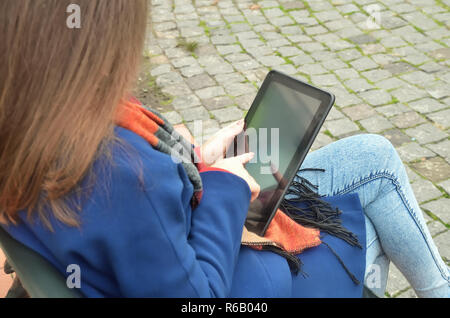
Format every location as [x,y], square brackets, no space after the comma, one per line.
[80,184]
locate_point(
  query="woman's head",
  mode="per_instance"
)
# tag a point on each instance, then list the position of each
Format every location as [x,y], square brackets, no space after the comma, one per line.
[59,88]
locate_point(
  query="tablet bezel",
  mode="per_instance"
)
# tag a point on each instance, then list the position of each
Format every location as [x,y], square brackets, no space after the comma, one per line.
[326,102]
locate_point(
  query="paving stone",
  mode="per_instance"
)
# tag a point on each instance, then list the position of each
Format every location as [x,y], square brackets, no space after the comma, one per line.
[363,64]
[441,148]
[424,190]
[443,243]
[185,101]
[362,39]
[376,124]
[438,90]
[426,105]
[441,54]
[289,51]
[321,141]
[246,65]
[334,64]
[292,5]
[441,118]
[408,93]
[408,119]
[312,47]
[282,21]
[246,35]
[191,71]
[440,208]
[227,114]
[158,60]
[341,126]
[251,43]
[358,84]
[390,83]
[376,97]
[206,49]
[191,31]
[412,176]
[195,113]
[315,30]
[334,114]
[271,61]
[288,69]
[426,133]
[237,57]
[173,117]
[359,112]
[435,169]
[220,68]
[346,73]
[347,100]
[396,281]
[436,228]
[312,69]
[176,89]
[326,80]
[217,102]
[392,41]
[273,13]
[413,151]
[376,75]
[227,49]
[369,49]
[445,185]
[169,78]
[238,89]
[396,137]
[161,69]
[291,30]
[228,78]
[245,101]
[409,293]
[398,68]
[418,77]
[392,110]
[349,55]
[223,39]
[210,92]
[200,81]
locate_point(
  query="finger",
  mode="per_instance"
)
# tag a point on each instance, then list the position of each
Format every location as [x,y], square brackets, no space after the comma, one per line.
[277,175]
[244,158]
[232,130]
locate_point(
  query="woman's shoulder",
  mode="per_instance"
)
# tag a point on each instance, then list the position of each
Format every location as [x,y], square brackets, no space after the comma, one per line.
[131,158]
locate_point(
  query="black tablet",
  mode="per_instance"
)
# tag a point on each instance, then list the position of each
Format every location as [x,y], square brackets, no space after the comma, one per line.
[280,128]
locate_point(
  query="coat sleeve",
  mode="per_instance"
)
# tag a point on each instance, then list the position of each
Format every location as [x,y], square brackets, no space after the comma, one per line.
[161,248]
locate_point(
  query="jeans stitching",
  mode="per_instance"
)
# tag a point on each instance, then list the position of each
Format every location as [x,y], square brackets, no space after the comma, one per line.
[394,180]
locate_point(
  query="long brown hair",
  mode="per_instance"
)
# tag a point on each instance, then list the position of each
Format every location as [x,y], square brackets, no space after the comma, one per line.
[59,91]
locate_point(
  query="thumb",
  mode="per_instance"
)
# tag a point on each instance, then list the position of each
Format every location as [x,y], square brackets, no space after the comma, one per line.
[246,157]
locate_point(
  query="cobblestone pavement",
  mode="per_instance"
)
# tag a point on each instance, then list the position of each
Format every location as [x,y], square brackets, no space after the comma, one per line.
[386,61]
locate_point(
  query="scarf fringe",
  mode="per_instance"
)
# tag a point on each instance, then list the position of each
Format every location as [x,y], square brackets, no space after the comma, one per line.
[294,262]
[318,214]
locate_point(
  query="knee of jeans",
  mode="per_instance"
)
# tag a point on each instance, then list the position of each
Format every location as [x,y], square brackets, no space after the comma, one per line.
[377,149]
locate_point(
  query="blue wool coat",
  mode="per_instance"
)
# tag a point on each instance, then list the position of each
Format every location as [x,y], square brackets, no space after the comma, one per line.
[145,240]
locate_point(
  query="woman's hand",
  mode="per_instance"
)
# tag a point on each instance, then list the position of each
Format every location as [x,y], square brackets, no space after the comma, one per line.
[216,147]
[235,165]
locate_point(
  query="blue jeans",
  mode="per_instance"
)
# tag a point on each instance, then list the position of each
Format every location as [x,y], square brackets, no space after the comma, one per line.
[396,230]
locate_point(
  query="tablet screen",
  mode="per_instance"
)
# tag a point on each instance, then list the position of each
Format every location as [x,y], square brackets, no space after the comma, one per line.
[283,121]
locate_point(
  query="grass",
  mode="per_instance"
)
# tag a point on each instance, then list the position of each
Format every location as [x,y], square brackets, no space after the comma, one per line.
[190,46]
